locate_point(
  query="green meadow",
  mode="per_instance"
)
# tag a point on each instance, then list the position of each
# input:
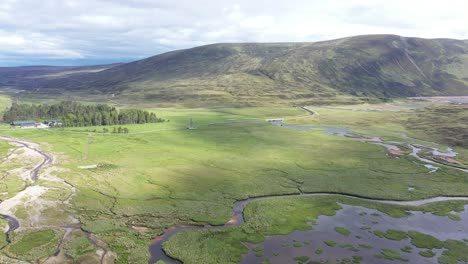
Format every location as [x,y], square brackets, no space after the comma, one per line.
[163,174]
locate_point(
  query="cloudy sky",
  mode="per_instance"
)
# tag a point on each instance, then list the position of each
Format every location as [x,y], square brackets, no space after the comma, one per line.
[77,32]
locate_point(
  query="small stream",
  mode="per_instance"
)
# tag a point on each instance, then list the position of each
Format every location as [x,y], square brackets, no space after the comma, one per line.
[47,158]
[13,223]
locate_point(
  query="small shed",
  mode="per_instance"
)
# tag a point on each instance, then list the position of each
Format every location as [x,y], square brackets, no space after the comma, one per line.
[276,121]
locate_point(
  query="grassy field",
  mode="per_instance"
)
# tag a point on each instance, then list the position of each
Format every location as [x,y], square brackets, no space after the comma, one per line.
[163,174]
[4,148]
[34,245]
[5,102]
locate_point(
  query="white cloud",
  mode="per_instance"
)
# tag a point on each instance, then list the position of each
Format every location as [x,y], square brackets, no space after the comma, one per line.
[35,45]
[11,41]
[130,29]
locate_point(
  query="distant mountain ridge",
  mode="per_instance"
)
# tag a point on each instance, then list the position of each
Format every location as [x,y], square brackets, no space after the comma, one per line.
[32,76]
[378,66]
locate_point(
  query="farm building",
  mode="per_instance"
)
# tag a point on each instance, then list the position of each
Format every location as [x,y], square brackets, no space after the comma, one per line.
[52,123]
[23,124]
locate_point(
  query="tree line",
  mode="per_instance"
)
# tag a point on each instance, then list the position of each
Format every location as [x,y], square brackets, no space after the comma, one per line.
[74,114]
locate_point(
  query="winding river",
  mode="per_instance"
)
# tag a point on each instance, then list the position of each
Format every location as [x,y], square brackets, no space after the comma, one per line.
[47,159]
[13,223]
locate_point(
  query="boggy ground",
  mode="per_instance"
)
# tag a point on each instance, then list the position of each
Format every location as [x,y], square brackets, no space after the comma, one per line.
[368,236]
[36,203]
[161,175]
[332,229]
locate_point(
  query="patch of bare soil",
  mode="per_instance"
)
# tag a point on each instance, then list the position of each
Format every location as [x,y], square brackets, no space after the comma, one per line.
[88,167]
[448,159]
[139,228]
[396,152]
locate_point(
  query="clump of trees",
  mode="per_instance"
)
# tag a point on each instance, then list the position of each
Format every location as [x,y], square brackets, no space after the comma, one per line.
[74,114]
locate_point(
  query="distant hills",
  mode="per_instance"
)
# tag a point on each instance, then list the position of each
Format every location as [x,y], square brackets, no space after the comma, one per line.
[32,77]
[370,66]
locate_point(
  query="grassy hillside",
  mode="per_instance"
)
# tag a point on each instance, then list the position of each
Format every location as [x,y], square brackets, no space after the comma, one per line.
[338,71]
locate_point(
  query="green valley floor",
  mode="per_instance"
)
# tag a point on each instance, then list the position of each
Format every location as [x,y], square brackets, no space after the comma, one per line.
[105,196]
